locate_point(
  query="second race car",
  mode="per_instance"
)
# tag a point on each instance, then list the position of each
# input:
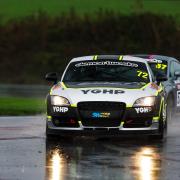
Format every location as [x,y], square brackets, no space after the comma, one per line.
[106,95]
[170,68]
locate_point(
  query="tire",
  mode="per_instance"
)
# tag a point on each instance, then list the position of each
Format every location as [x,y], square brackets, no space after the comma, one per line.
[49,136]
[162,129]
[162,126]
[54,137]
[170,109]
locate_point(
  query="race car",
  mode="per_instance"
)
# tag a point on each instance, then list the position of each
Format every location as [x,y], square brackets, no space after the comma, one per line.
[106,95]
[169,67]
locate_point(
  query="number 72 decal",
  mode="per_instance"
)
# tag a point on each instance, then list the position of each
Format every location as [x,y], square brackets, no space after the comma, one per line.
[142,74]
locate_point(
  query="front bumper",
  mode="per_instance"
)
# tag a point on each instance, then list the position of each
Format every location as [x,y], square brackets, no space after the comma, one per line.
[130,123]
[105,131]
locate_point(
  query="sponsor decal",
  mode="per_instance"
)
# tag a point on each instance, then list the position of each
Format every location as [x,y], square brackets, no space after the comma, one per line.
[154,60]
[178,98]
[178,86]
[177,82]
[60,109]
[142,74]
[101,115]
[102,91]
[128,64]
[143,110]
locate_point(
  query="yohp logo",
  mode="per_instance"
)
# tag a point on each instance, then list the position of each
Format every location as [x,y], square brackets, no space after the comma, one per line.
[60,109]
[143,110]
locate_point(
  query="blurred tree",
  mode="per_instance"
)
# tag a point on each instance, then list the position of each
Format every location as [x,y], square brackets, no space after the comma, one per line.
[138,6]
[34,45]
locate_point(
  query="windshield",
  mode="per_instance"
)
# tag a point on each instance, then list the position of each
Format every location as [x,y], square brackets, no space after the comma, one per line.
[159,68]
[107,71]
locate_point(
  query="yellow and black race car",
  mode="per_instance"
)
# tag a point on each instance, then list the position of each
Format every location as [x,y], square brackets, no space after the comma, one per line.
[106,95]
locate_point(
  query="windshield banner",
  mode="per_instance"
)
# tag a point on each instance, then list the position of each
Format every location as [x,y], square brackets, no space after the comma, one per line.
[101,63]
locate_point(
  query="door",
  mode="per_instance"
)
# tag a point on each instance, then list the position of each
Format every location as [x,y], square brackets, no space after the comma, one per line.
[175,81]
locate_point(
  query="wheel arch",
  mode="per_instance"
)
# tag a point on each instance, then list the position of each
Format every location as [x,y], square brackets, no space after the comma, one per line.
[171,98]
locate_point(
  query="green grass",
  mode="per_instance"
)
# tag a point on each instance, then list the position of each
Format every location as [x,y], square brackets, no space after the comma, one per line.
[19,8]
[21,106]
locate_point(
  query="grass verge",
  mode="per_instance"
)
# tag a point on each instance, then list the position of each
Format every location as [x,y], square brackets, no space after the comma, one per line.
[21,106]
[19,8]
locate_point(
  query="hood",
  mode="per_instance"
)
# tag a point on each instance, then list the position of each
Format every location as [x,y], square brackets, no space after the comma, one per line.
[128,93]
[130,85]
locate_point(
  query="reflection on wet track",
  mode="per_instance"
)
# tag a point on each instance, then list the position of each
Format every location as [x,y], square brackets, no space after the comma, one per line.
[26,154]
[103,159]
[146,159]
[56,165]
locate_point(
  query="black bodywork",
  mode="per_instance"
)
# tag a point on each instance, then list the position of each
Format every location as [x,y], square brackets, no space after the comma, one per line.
[172,85]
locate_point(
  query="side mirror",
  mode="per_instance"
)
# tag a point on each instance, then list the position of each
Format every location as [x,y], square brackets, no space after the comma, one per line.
[177,74]
[52,76]
[161,78]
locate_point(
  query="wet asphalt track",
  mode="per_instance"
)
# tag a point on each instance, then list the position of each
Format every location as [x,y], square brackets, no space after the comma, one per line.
[25,154]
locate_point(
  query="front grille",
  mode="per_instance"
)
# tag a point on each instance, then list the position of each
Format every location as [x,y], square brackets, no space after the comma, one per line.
[65,122]
[101,106]
[114,109]
[138,122]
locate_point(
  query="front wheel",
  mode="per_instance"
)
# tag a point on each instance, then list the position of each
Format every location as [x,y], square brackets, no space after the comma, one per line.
[162,129]
[48,135]
[162,125]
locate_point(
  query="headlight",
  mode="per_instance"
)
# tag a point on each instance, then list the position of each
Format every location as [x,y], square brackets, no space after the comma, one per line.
[59,101]
[145,101]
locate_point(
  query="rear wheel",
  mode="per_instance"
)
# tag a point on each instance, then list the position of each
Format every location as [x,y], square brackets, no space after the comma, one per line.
[170,110]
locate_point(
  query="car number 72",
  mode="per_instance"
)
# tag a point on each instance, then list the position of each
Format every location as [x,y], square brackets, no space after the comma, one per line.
[142,74]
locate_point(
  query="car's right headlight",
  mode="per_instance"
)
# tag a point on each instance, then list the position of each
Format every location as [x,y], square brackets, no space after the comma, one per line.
[145,101]
[59,101]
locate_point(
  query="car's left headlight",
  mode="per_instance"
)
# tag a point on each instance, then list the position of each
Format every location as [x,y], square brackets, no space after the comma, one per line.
[59,101]
[145,101]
